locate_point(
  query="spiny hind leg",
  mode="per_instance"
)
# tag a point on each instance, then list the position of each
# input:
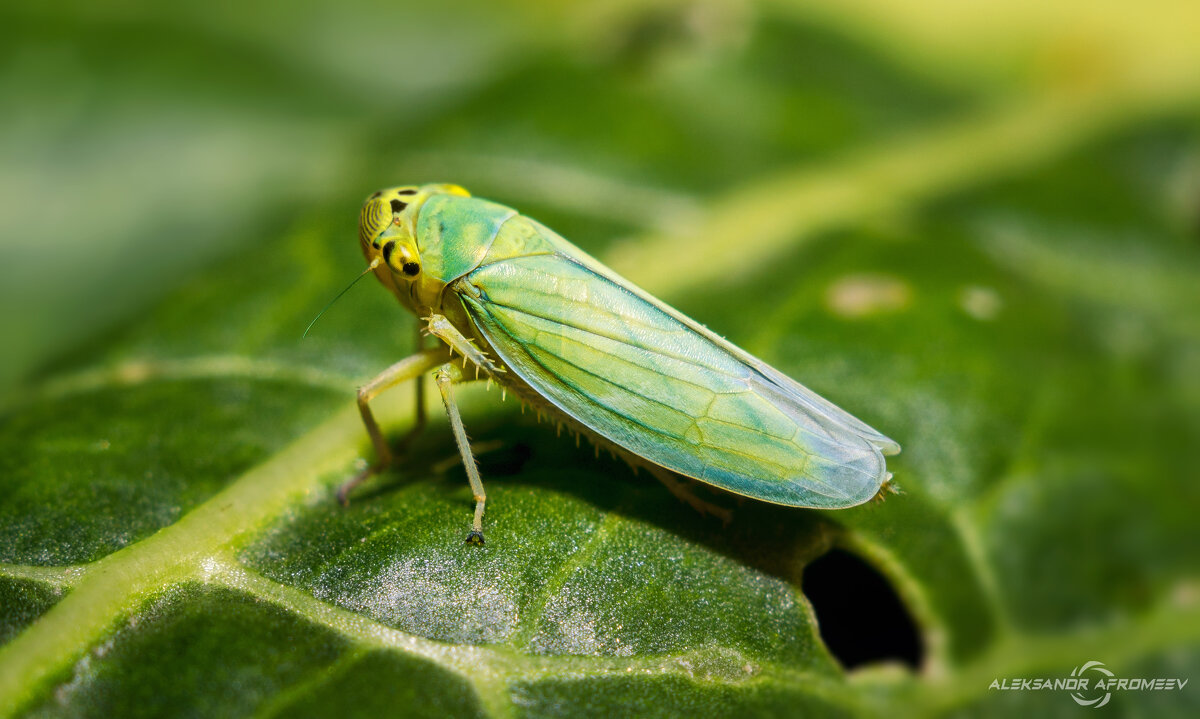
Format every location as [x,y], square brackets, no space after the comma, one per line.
[888,487]
[412,367]
[682,490]
[446,377]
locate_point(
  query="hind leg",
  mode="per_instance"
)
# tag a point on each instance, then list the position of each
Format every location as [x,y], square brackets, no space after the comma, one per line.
[679,487]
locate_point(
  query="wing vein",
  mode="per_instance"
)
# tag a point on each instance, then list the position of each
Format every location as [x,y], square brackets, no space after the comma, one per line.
[753,458]
[585,393]
[560,321]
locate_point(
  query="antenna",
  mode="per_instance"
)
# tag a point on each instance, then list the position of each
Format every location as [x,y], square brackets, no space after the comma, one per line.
[364,273]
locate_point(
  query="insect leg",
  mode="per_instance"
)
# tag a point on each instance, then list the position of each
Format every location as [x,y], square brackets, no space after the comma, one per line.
[408,368]
[888,487]
[440,327]
[445,377]
[419,382]
[682,491]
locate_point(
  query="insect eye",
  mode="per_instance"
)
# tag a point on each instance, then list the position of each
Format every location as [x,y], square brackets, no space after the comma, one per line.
[411,269]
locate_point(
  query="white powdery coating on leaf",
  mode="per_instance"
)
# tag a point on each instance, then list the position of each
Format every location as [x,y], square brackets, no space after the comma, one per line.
[432,597]
[677,601]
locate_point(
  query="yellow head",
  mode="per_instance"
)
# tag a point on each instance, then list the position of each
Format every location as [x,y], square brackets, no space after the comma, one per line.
[387,232]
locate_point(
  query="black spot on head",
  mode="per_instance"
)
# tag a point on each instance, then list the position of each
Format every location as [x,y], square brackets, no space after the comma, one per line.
[411,269]
[387,251]
[397,205]
[406,192]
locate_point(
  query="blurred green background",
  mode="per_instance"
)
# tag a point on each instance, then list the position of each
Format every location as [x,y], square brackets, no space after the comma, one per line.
[976,225]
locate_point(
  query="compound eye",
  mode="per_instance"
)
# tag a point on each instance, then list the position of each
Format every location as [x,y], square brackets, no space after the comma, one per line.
[407,266]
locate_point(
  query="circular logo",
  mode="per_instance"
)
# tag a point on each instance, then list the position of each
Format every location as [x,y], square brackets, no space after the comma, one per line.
[1094,702]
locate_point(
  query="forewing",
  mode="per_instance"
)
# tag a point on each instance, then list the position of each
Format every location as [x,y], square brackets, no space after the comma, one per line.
[653,382]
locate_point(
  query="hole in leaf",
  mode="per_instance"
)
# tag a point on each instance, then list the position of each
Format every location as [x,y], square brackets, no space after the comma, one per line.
[861,618]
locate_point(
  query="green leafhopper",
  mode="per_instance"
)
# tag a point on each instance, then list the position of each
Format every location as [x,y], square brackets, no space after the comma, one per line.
[572,338]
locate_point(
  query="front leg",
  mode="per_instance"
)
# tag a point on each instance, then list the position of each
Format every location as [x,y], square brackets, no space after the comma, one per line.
[440,327]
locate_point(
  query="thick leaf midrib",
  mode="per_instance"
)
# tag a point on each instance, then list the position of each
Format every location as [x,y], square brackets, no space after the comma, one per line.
[113,585]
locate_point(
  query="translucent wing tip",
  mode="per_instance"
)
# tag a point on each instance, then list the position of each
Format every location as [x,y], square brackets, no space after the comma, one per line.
[886,445]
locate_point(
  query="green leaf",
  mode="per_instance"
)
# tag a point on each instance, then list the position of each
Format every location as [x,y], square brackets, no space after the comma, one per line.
[985,249]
